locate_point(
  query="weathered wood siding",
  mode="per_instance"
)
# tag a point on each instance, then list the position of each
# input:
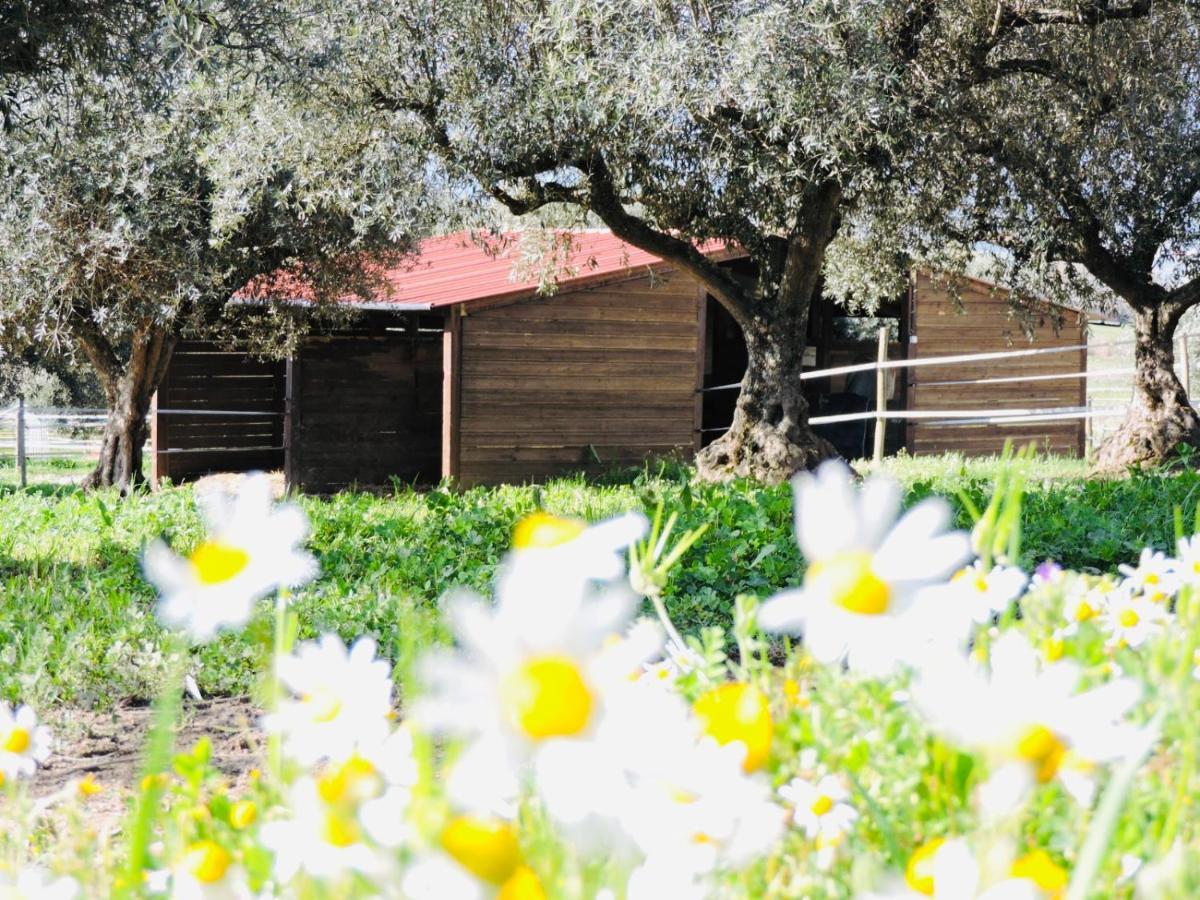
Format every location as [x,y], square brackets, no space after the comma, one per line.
[984,324]
[214,381]
[581,380]
[366,407]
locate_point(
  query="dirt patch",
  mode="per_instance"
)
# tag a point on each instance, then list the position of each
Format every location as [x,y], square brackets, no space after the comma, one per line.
[108,747]
[228,482]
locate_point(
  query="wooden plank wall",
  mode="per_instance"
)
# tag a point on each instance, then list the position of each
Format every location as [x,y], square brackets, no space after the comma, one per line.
[207,378]
[367,406]
[942,329]
[549,384]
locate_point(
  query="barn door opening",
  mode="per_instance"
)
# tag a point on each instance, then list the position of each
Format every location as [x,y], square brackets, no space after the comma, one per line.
[365,405]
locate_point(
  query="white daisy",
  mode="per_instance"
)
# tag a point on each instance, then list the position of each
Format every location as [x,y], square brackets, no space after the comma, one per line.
[1132,619]
[988,593]
[345,819]
[567,552]
[251,549]
[1188,563]
[861,599]
[35,883]
[821,811]
[1029,719]
[24,744]
[536,666]
[819,808]
[704,813]
[207,871]
[477,858]
[1156,575]
[947,870]
[1086,603]
[645,731]
[341,699]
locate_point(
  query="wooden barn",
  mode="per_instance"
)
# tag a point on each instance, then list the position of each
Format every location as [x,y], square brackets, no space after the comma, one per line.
[463,368]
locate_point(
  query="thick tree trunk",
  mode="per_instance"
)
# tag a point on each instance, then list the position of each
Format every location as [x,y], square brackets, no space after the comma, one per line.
[770,438]
[1160,418]
[128,389]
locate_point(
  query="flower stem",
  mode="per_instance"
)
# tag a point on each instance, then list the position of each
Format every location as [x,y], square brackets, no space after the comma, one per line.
[1099,835]
[281,647]
[159,746]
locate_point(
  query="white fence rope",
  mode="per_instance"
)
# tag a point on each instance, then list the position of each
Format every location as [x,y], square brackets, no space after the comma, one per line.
[929,361]
[45,443]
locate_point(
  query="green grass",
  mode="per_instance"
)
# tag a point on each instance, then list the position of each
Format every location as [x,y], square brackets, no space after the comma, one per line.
[77,623]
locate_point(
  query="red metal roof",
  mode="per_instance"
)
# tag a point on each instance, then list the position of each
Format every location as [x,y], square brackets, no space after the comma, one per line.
[467,266]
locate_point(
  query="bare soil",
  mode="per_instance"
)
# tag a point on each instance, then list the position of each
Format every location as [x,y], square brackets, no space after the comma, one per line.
[108,747]
[228,482]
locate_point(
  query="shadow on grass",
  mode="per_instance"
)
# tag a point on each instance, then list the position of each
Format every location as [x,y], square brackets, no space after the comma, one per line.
[50,490]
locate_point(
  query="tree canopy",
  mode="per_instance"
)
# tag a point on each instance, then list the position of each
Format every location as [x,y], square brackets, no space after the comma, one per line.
[769,124]
[1083,163]
[135,207]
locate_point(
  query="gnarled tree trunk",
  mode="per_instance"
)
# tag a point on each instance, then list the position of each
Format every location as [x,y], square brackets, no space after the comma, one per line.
[129,386]
[770,438]
[1159,418]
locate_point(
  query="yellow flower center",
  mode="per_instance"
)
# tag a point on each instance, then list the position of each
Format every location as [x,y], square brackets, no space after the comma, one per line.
[216,562]
[1042,749]
[1128,618]
[17,740]
[242,814]
[1084,611]
[207,861]
[523,884]
[325,705]
[821,805]
[352,780]
[791,691]
[541,530]
[487,848]
[852,584]
[918,874]
[738,712]
[682,795]
[340,830]
[548,697]
[1038,867]
[1151,578]
[88,786]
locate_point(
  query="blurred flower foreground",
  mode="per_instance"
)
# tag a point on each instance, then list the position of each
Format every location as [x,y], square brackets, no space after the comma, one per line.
[918,717]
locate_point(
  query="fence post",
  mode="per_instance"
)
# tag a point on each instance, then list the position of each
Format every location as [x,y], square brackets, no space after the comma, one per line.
[880,397]
[21,439]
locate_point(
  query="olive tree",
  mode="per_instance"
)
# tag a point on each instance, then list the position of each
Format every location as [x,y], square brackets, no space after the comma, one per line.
[133,209]
[762,123]
[1080,156]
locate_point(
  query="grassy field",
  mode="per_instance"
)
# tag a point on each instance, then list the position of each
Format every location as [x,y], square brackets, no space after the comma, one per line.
[77,623]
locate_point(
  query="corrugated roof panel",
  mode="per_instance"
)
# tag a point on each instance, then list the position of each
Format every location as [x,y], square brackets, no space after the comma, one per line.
[458,268]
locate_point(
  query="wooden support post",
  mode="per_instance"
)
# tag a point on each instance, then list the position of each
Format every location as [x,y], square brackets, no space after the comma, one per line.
[21,440]
[451,391]
[881,395]
[701,366]
[156,444]
[291,423]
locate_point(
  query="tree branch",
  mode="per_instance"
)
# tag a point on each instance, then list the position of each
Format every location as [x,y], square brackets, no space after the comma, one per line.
[605,202]
[1094,12]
